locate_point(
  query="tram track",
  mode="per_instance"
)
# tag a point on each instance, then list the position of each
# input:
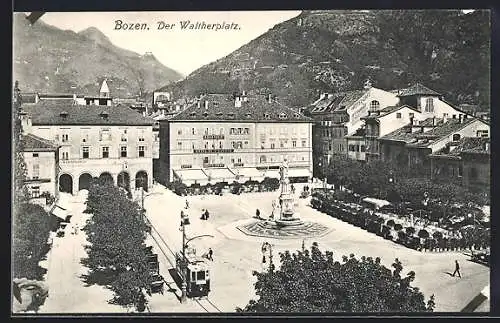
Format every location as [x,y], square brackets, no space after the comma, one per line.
[205,303]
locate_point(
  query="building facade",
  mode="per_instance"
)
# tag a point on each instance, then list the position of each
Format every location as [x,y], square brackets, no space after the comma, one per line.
[410,146]
[110,142]
[416,103]
[41,158]
[466,162]
[226,138]
[339,115]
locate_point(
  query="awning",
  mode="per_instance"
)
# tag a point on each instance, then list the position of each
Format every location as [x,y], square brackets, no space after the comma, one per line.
[249,173]
[272,173]
[220,174]
[59,212]
[299,172]
[191,176]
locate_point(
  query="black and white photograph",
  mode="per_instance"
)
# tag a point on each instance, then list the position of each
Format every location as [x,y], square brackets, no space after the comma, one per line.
[251,162]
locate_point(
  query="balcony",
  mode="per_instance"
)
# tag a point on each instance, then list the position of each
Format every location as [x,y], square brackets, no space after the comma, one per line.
[221,137]
[214,151]
[207,165]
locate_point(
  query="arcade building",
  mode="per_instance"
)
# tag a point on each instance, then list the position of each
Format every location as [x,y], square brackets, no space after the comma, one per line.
[110,142]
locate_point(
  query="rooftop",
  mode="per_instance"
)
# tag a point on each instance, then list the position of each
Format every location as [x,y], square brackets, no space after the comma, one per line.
[467,145]
[441,129]
[221,107]
[388,110]
[35,143]
[62,113]
[337,102]
[417,89]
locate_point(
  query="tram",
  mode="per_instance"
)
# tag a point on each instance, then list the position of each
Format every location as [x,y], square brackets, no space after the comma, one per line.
[197,273]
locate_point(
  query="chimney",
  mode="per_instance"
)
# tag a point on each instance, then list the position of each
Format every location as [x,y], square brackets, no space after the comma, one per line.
[25,122]
[270,98]
[237,102]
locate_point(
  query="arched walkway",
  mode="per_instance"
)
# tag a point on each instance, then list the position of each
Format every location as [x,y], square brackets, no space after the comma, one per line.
[84,181]
[124,181]
[107,178]
[66,183]
[141,180]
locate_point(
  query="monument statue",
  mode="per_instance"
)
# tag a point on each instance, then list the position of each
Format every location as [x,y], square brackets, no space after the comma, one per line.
[286,199]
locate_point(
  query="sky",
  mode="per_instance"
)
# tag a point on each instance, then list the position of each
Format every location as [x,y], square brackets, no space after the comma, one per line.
[182,50]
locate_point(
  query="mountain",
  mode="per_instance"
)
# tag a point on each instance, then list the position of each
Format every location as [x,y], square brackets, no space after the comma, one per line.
[51,60]
[327,51]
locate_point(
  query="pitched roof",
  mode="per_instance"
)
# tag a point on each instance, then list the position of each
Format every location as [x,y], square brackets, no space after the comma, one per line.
[444,129]
[35,143]
[417,89]
[388,110]
[52,113]
[338,101]
[419,139]
[467,145]
[221,107]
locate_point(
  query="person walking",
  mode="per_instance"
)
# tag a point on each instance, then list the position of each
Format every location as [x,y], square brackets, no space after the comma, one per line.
[257,214]
[206,214]
[210,254]
[457,269]
[187,204]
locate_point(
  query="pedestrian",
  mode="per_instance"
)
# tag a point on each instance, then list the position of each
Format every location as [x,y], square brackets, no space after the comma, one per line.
[206,214]
[202,214]
[257,214]
[210,254]
[457,269]
[187,204]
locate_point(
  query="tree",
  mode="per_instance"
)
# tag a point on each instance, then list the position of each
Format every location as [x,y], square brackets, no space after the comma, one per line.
[30,223]
[31,229]
[312,281]
[117,254]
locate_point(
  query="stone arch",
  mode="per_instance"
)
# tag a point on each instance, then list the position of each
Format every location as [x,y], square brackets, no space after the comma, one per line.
[107,177]
[141,180]
[66,183]
[123,180]
[84,181]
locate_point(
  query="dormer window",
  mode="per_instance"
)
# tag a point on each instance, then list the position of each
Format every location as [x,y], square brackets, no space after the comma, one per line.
[219,114]
[296,115]
[230,115]
[63,114]
[282,115]
[205,114]
[249,115]
[192,114]
[267,116]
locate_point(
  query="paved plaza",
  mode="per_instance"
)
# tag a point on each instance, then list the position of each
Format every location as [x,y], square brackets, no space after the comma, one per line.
[237,254]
